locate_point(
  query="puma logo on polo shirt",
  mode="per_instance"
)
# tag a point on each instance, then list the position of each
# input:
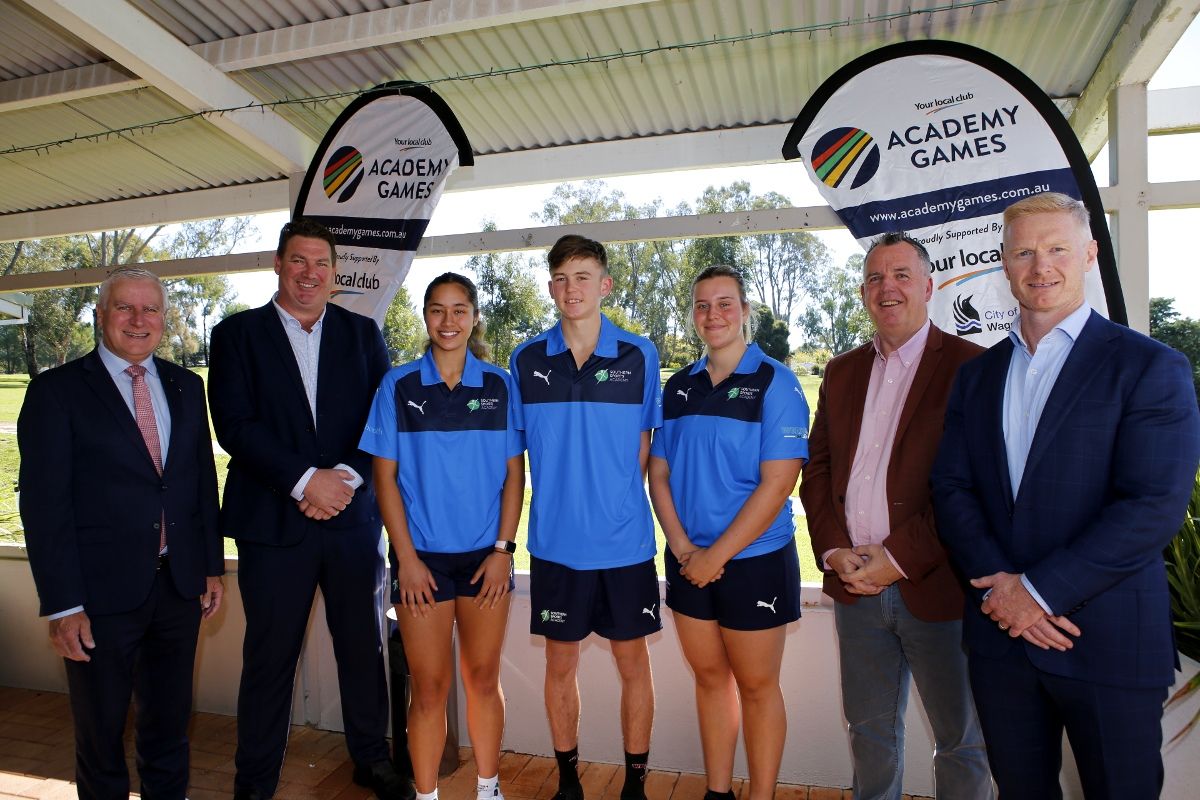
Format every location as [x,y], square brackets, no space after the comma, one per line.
[545,377]
[465,408]
[619,379]
[739,397]
[683,394]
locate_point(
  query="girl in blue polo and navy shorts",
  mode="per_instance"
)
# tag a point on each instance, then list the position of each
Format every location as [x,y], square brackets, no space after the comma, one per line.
[450,477]
[734,437]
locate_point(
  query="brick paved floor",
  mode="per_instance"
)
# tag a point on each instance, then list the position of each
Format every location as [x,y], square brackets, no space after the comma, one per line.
[37,761]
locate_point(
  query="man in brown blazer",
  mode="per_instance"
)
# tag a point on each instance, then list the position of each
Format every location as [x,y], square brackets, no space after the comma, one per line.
[898,604]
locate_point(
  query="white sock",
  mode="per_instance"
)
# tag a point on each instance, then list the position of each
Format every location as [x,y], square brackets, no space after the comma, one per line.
[488,788]
[428,795]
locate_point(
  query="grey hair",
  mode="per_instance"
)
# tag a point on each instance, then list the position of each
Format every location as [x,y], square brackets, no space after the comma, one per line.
[130,274]
[899,237]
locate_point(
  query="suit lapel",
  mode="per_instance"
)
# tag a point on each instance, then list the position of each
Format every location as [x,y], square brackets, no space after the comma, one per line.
[333,336]
[97,377]
[1078,370]
[930,359]
[995,377]
[854,400]
[174,394]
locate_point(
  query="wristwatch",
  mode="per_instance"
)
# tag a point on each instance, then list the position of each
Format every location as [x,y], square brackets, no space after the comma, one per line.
[503,546]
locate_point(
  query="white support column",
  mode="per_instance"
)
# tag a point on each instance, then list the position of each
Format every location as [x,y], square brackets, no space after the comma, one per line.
[1127,153]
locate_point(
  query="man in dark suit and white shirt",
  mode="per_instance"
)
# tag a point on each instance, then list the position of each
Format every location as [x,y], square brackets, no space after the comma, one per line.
[1066,466]
[119,504]
[291,384]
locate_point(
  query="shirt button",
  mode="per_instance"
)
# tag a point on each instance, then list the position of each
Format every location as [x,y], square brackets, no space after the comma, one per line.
[867,478]
[890,380]
[1033,371]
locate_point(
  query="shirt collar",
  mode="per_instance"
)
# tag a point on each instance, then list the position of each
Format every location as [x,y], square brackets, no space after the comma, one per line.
[290,321]
[911,350]
[116,365]
[472,370]
[750,361]
[606,345]
[1071,325]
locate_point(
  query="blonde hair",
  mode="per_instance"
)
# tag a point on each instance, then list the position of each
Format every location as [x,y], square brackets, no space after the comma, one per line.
[1049,203]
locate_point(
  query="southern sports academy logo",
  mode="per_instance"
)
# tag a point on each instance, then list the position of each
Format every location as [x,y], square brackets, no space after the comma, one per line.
[846,157]
[966,318]
[343,173]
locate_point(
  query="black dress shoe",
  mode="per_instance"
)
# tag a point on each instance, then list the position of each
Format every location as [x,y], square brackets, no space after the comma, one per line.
[247,794]
[383,780]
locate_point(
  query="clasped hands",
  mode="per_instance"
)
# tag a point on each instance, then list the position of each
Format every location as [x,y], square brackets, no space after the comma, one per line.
[1010,605]
[864,570]
[700,566]
[327,494]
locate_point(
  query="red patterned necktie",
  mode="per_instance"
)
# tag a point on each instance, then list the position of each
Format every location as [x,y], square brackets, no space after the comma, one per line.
[143,409]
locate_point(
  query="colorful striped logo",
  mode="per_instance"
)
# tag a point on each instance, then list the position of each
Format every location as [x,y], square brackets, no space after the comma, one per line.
[343,173]
[845,152]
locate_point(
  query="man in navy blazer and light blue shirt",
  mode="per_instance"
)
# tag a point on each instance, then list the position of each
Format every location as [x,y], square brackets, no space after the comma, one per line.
[1067,462]
[114,445]
[290,386]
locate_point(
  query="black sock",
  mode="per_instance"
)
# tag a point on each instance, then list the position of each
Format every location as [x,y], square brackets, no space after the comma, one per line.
[635,775]
[568,767]
[726,795]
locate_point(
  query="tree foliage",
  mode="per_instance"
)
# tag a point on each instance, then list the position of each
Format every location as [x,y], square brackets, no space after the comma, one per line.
[513,306]
[836,320]
[770,334]
[1174,330]
[60,327]
[403,329]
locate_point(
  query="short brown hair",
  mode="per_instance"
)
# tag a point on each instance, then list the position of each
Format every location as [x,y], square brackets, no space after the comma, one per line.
[574,246]
[303,226]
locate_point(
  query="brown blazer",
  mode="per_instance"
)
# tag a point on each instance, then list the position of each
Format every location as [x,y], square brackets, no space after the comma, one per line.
[931,591]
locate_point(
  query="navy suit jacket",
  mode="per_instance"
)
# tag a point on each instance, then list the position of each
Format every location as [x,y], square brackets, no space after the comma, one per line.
[262,418]
[1105,488]
[92,500]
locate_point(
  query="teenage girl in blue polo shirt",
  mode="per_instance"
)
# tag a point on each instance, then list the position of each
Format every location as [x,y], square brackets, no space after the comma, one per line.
[722,468]
[450,476]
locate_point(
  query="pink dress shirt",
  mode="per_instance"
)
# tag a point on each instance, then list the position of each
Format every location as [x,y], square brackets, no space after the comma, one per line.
[868,519]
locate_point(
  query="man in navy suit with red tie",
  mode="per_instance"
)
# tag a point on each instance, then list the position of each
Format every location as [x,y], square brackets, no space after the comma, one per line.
[1066,465]
[291,384]
[119,504]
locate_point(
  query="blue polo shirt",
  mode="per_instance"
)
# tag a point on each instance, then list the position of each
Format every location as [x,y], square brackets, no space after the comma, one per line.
[451,448]
[714,438]
[583,428]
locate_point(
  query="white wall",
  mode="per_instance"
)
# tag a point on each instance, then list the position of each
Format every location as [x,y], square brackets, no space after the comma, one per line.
[816,751]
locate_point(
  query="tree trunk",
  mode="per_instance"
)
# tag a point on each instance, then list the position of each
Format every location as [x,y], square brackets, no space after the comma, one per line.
[27,334]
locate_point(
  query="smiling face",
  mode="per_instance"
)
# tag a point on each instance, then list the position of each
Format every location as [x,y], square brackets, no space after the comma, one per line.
[577,286]
[1045,259]
[132,319]
[449,317]
[719,313]
[895,291]
[306,270]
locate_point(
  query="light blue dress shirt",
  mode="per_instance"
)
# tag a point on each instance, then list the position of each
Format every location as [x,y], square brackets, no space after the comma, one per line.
[1031,378]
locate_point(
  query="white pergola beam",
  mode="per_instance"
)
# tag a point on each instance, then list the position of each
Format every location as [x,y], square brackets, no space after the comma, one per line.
[1174,110]
[1128,157]
[740,223]
[687,151]
[1133,56]
[139,44]
[325,37]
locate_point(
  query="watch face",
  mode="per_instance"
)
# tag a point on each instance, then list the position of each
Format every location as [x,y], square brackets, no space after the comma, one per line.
[506,547]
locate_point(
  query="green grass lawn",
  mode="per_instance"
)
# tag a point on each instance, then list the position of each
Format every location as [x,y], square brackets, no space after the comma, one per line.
[12,394]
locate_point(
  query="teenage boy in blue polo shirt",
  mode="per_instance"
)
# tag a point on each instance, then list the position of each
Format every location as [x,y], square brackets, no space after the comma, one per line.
[588,396]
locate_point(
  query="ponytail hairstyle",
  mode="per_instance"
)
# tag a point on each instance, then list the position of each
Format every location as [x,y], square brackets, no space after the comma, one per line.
[477,343]
[726,271]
